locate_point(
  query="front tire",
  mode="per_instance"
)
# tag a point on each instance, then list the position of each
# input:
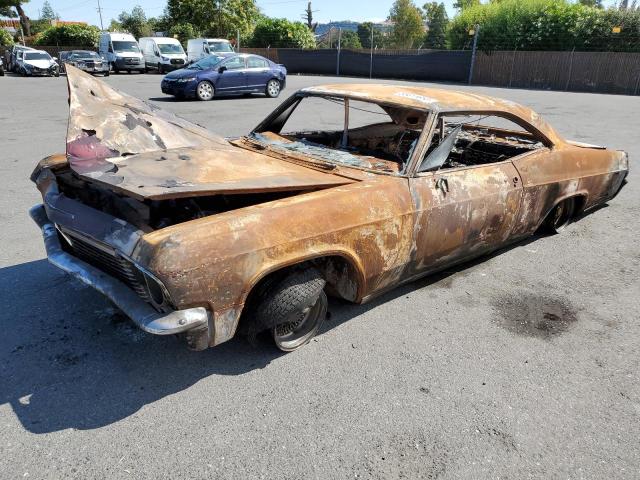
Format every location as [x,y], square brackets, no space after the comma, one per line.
[293,309]
[560,216]
[205,91]
[273,88]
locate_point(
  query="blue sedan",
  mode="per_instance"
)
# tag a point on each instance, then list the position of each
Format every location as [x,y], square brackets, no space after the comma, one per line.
[228,75]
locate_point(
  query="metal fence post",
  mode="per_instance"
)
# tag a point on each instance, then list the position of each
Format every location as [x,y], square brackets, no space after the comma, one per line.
[473,52]
[566,87]
[338,57]
[371,54]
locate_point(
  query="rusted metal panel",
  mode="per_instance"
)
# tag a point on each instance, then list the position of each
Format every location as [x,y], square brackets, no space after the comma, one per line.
[376,228]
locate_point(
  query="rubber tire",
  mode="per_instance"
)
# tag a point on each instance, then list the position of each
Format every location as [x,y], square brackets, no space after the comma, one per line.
[198,94]
[293,293]
[115,70]
[266,89]
[560,216]
[160,69]
[106,74]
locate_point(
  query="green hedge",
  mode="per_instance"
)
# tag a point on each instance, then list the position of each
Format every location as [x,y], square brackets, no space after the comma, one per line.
[5,38]
[281,33]
[545,25]
[70,35]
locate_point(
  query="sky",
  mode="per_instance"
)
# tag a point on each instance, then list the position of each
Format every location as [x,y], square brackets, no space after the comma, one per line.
[325,10]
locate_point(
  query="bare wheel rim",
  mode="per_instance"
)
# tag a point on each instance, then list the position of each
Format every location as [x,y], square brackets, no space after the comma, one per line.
[205,90]
[291,335]
[562,214]
[273,87]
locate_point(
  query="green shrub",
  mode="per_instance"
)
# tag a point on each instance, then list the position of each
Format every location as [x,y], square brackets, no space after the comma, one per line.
[70,35]
[545,25]
[281,33]
[5,38]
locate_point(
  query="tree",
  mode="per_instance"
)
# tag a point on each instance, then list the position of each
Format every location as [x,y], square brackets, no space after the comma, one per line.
[135,22]
[25,23]
[183,32]
[308,17]
[407,23]
[437,20]
[220,18]
[364,34]
[350,39]
[47,12]
[281,33]
[591,3]
[462,5]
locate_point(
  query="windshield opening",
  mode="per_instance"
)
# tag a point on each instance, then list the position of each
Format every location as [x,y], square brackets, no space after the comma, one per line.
[168,48]
[125,46]
[36,56]
[220,47]
[345,131]
[206,63]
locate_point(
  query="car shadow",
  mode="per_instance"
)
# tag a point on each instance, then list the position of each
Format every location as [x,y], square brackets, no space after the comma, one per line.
[215,99]
[68,359]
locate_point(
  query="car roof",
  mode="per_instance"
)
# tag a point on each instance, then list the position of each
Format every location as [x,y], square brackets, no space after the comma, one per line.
[437,100]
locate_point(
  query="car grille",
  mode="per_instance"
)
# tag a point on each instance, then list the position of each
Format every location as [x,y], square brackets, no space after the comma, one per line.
[105,259]
[177,61]
[132,61]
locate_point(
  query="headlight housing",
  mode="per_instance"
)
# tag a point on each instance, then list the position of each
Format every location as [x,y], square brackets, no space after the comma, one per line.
[165,59]
[187,79]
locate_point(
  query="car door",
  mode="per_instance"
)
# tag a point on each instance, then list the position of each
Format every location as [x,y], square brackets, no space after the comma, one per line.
[258,73]
[463,212]
[234,78]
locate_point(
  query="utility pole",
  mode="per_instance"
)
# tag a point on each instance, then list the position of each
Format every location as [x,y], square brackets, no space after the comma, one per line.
[100,13]
[238,40]
[473,51]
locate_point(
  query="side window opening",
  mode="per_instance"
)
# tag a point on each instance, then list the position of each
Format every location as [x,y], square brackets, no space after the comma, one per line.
[478,140]
[376,136]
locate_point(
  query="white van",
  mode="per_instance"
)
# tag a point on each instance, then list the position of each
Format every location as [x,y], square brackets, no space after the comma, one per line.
[162,53]
[121,51]
[198,48]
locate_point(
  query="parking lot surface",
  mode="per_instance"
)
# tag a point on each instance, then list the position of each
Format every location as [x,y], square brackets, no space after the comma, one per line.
[521,365]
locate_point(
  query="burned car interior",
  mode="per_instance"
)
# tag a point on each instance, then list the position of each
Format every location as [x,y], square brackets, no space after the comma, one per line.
[383,138]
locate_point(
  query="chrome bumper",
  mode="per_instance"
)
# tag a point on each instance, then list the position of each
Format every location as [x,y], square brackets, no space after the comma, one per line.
[140,312]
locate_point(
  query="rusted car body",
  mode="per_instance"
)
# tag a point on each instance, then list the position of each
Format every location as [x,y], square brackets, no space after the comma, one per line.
[180,227]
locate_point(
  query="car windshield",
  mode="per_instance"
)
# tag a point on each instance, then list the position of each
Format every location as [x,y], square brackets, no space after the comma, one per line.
[36,56]
[125,46]
[84,55]
[170,48]
[220,47]
[206,63]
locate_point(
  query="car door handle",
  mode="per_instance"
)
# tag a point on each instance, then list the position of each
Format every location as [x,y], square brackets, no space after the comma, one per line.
[442,184]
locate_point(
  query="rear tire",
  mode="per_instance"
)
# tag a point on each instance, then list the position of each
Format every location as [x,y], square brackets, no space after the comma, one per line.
[205,91]
[560,216]
[273,88]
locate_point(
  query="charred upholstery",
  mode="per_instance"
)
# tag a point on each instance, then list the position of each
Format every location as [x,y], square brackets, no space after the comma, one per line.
[387,226]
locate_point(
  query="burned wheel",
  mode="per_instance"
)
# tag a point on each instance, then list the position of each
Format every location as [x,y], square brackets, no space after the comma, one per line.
[293,309]
[560,216]
[205,91]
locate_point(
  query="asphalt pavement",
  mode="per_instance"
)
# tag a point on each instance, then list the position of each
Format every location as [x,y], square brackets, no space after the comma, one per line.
[520,365]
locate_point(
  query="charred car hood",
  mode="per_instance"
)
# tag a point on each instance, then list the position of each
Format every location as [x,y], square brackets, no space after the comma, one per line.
[141,151]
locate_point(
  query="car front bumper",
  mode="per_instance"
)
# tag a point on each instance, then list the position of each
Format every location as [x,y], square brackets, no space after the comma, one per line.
[139,311]
[179,89]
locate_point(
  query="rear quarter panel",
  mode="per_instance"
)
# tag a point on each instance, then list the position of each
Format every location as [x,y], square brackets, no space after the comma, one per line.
[564,171]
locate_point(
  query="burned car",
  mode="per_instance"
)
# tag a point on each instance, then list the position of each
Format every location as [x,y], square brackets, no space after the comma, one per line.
[374,186]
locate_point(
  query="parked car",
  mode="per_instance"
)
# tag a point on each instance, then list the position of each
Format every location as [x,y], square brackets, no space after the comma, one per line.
[199,48]
[85,60]
[1,67]
[231,75]
[37,63]
[121,51]
[162,53]
[13,55]
[370,187]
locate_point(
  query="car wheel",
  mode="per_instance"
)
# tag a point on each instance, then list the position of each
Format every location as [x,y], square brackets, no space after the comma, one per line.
[56,73]
[115,69]
[160,69]
[106,74]
[205,91]
[273,88]
[560,216]
[293,309]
